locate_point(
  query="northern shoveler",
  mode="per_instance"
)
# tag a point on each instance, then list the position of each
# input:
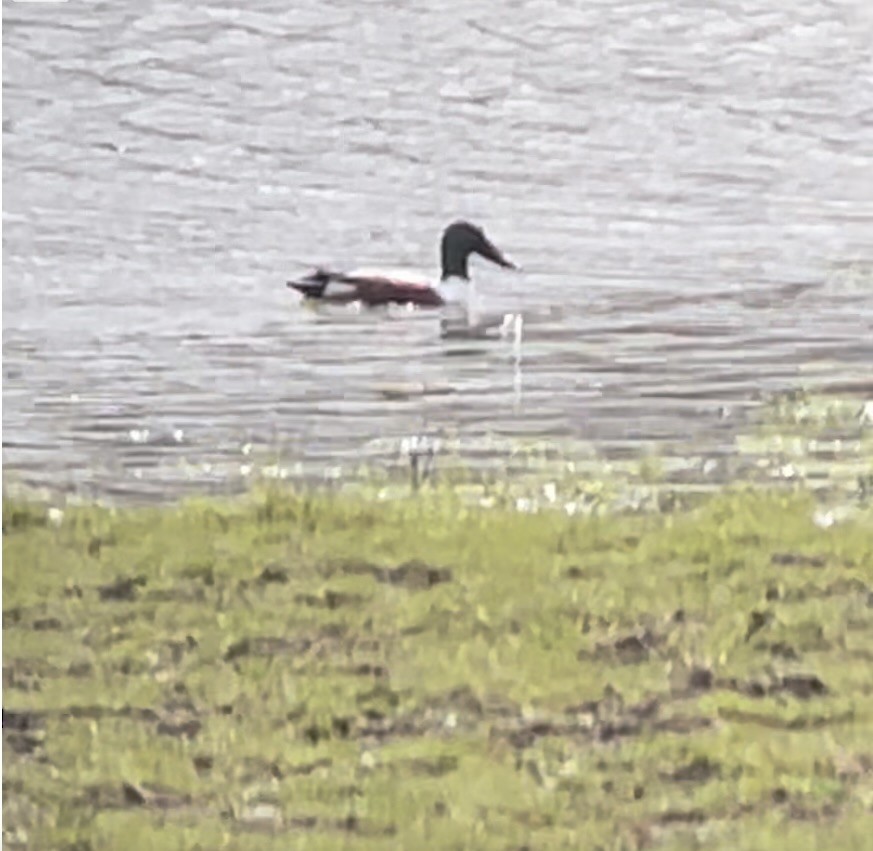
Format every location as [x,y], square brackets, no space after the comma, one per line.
[371,287]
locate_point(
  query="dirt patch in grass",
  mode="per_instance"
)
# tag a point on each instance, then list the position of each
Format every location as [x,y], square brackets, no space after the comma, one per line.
[141,795]
[274,574]
[699,770]
[800,686]
[271,646]
[24,732]
[412,575]
[123,588]
[797,560]
[779,722]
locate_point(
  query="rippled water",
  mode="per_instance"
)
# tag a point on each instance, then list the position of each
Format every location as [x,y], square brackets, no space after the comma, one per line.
[688,187]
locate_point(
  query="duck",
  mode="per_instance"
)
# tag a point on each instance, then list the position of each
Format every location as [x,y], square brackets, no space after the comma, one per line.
[375,288]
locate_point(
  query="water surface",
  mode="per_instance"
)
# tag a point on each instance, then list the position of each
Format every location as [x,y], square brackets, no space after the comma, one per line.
[687,186]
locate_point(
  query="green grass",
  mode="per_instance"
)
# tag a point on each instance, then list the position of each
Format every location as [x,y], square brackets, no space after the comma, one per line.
[312,671]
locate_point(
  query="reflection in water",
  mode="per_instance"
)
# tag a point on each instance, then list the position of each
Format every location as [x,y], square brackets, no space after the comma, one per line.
[517,376]
[685,196]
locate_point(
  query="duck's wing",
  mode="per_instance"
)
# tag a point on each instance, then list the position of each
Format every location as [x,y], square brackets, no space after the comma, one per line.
[369,286]
[399,275]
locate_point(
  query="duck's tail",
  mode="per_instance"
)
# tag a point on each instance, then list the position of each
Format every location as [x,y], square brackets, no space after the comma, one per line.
[314,285]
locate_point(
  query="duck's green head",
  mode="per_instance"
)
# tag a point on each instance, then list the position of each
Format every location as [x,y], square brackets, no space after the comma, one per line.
[460,240]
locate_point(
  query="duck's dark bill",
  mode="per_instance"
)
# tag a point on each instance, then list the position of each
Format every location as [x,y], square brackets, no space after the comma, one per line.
[490,252]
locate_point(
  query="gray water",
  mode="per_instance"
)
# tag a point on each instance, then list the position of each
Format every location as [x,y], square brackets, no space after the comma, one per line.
[687,186]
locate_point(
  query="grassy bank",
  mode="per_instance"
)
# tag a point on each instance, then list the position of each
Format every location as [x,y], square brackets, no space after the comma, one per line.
[306,671]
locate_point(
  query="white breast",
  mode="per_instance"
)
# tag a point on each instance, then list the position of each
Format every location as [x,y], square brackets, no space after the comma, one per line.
[456,314]
[457,291]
